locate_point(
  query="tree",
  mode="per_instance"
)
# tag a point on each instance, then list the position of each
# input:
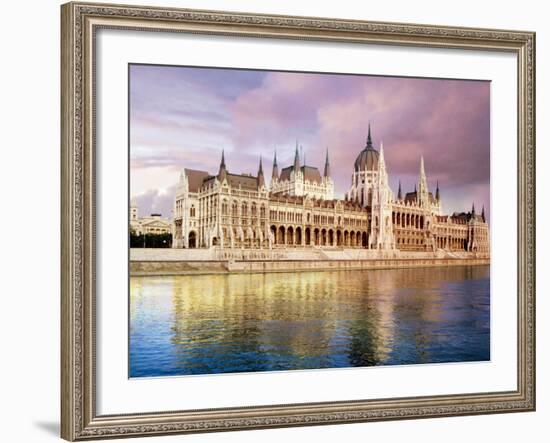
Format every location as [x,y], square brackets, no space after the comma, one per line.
[150,240]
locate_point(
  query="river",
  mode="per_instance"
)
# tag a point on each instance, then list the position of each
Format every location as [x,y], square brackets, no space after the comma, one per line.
[209,324]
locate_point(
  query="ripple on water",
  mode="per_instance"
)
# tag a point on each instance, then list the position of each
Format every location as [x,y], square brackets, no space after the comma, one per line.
[212,324]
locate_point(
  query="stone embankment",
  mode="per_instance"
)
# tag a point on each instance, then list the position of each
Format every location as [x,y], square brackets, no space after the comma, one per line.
[215,261]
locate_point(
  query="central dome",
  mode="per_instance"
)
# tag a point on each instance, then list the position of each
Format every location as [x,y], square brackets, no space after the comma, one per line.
[367,158]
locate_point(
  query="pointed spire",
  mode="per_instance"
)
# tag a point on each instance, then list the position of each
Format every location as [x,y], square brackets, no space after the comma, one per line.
[327,166]
[275,172]
[369,139]
[382,174]
[296,159]
[473,210]
[222,173]
[422,184]
[483,213]
[261,180]
[437,191]
[399,193]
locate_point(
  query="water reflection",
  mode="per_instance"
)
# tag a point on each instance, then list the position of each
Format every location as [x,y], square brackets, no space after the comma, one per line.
[264,322]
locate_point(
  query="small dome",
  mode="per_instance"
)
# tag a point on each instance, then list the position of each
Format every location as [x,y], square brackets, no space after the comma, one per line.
[367,159]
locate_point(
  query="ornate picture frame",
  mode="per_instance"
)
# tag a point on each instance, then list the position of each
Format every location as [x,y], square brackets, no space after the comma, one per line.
[80,22]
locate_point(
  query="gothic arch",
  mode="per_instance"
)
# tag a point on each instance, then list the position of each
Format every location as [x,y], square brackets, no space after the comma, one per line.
[290,235]
[298,235]
[281,235]
[192,240]
[308,236]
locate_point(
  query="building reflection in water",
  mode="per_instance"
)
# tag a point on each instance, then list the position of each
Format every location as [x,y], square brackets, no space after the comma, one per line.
[262,322]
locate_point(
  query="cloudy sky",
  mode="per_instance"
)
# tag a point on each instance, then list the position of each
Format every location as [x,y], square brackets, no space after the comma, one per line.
[183,117]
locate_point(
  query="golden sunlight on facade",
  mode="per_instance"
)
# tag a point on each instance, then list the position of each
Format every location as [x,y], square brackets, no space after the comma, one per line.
[298,210]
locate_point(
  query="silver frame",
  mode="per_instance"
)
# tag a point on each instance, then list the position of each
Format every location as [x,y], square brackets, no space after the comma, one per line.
[80,21]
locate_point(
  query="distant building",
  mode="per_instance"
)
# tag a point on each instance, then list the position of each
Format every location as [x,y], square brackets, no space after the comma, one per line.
[154,224]
[298,209]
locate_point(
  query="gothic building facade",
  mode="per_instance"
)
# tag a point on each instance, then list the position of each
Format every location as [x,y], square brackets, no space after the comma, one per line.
[298,210]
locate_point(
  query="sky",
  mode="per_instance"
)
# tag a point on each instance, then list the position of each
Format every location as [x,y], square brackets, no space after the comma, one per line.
[182,117]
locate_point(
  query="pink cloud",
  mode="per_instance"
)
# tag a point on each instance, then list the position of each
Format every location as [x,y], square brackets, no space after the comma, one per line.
[249,113]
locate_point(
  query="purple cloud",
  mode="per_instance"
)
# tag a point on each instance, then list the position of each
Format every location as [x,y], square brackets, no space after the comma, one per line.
[154,202]
[183,117]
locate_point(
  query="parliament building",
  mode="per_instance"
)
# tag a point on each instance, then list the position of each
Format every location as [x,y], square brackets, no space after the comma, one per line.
[298,210]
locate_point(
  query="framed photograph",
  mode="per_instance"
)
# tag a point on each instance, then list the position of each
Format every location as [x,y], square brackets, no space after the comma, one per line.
[284,221]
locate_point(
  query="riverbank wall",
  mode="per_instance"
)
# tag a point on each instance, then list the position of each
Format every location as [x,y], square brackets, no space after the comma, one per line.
[144,262]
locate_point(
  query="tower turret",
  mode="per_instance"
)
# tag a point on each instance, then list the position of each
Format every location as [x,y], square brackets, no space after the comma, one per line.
[399,193]
[422,195]
[296,159]
[275,171]
[382,197]
[222,173]
[327,167]
[260,179]
[382,175]
[133,209]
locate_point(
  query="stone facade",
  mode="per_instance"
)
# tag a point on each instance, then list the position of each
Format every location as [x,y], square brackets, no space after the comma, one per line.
[298,210]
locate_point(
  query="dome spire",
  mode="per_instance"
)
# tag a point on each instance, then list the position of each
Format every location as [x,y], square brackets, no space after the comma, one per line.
[369,139]
[368,158]
[399,194]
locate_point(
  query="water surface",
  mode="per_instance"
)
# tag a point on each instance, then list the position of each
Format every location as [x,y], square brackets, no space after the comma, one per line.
[209,324]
